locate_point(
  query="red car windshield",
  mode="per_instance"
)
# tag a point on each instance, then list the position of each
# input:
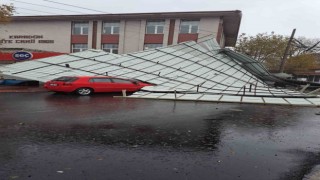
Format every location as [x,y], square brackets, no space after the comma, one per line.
[66,79]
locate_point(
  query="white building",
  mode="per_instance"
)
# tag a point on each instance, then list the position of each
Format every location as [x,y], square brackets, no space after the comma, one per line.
[118,33]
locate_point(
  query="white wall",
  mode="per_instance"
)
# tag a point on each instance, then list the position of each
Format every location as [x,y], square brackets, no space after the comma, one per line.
[208,28]
[99,32]
[166,32]
[90,32]
[133,36]
[59,31]
[176,31]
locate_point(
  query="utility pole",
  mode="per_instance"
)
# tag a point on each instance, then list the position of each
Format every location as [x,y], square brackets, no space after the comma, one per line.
[285,56]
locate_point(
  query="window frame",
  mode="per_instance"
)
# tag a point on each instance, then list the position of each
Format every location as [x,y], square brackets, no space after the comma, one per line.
[156,45]
[114,49]
[82,28]
[80,48]
[112,27]
[190,25]
[152,23]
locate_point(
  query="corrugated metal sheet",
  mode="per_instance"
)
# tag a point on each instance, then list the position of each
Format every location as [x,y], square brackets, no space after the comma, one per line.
[187,71]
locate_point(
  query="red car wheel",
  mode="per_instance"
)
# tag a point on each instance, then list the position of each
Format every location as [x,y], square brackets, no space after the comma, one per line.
[84,91]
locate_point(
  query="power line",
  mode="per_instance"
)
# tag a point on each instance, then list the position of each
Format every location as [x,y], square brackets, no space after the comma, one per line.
[45,6]
[36,10]
[26,13]
[75,6]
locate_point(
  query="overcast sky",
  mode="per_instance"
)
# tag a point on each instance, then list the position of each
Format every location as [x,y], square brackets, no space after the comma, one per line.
[258,16]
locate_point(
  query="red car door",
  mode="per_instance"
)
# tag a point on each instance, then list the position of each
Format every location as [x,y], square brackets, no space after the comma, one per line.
[102,84]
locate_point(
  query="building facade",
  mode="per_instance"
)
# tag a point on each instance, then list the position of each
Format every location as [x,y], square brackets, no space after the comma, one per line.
[118,33]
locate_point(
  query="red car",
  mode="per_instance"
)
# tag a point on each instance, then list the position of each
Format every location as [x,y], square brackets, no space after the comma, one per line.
[86,85]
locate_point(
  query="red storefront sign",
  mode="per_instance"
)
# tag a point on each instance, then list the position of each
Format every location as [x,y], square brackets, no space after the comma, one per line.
[35,55]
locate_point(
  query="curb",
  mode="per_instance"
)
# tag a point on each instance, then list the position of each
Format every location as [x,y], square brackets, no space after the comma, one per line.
[8,89]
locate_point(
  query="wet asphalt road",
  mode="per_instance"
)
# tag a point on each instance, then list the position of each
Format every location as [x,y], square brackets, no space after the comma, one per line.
[57,136]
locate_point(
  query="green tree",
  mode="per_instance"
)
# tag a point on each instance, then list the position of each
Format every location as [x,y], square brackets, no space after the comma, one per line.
[265,48]
[303,62]
[269,50]
[6,11]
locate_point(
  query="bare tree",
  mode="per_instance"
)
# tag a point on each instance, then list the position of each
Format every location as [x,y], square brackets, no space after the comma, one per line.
[6,11]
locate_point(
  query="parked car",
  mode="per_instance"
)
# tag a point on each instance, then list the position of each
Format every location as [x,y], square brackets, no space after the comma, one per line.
[86,85]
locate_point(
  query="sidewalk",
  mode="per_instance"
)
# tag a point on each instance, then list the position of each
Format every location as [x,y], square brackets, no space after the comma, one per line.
[4,89]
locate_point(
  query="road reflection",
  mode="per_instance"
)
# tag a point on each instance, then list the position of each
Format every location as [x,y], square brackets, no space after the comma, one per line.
[268,137]
[105,120]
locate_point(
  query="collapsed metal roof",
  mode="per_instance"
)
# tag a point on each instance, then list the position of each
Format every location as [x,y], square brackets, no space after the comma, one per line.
[187,71]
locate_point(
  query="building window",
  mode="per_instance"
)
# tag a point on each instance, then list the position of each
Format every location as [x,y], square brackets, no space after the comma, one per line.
[189,27]
[110,48]
[80,28]
[111,28]
[154,27]
[79,47]
[152,46]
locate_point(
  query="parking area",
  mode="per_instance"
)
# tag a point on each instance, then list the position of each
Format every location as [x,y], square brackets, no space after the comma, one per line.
[44,135]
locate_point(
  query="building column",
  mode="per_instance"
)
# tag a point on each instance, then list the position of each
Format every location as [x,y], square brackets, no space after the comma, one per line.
[94,35]
[90,33]
[99,33]
[142,32]
[220,32]
[121,36]
[166,32]
[176,31]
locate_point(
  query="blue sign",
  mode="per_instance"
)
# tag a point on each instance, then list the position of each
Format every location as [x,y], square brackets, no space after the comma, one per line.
[22,55]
